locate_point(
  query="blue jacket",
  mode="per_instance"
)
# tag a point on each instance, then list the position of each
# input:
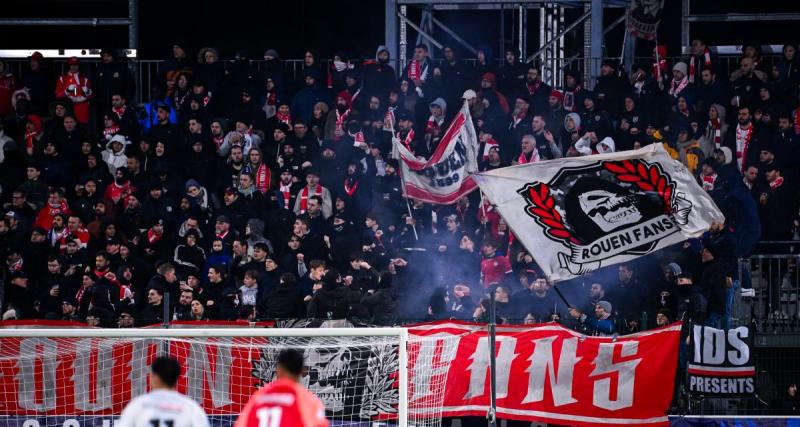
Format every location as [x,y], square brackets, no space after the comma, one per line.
[601,326]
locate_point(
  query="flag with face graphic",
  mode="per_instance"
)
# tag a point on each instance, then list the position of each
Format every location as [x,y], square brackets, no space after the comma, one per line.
[577,214]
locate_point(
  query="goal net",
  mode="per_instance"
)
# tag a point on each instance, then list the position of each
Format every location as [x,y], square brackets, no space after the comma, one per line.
[85,377]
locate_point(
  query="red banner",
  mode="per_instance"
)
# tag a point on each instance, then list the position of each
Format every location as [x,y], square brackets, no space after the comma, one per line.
[550,374]
[545,373]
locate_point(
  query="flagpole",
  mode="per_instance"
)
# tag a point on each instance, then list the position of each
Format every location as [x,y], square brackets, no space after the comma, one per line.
[410,215]
[491,414]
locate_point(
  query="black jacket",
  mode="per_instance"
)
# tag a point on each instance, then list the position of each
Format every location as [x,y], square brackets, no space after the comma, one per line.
[330,302]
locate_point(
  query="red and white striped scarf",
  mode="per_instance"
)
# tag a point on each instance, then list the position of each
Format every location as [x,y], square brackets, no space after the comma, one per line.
[262,176]
[533,157]
[340,118]
[742,144]
[408,139]
[119,111]
[359,139]
[351,187]
[284,118]
[110,132]
[286,190]
[708,181]
[304,197]
[706,62]
[433,124]
[676,87]
[777,183]
[714,132]
[569,98]
[414,70]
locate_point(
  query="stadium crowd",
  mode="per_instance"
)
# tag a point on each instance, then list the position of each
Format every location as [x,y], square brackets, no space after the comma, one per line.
[243,194]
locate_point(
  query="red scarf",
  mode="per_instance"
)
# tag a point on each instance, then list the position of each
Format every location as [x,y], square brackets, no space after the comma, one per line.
[569,98]
[218,140]
[262,178]
[120,111]
[534,157]
[714,132]
[358,138]
[491,143]
[350,189]
[153,237]
[110,131]
[408,139]
[708,181]
[706,61]
[284,118]
[414,70]
[676,87]
[304,197]
[340,118]
[659,68]
[29,139]
[797,121]
[272,98]
[286,190]
[433,124]
[777,183]
[518,119]
[117,192]
[742,144]
[532,88]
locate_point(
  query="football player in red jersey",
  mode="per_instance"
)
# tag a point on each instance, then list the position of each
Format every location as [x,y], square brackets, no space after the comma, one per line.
[284,402]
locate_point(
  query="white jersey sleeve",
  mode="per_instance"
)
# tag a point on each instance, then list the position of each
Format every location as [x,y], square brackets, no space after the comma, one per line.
[163,408]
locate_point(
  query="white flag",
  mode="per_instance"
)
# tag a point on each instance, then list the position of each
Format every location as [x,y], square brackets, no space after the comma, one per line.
[577,214]
[447,175]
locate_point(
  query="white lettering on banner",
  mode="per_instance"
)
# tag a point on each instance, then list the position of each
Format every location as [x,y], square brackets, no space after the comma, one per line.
[741,353]
[426,368]
[713,341]
[140,367]
[198,370]
[542,363]
[101,399]
[479,367]
[604,364]
[44,350]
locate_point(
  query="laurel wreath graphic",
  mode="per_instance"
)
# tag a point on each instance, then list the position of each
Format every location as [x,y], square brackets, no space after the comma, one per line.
[544,210]
[645,177]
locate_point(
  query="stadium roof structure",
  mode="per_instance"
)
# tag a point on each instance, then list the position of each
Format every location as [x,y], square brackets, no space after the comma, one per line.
[550,53]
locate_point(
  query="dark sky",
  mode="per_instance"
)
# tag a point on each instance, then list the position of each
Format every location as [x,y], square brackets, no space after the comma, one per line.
[291,26]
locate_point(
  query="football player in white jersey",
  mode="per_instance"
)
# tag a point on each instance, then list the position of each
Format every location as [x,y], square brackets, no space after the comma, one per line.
[163,406]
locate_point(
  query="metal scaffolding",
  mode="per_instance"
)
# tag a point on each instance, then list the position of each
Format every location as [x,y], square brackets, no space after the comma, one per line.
[131,21]
[688,18]
[551,54]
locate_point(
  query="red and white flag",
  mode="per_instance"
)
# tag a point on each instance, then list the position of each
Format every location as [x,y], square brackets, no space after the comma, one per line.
[577,214]
[446,176]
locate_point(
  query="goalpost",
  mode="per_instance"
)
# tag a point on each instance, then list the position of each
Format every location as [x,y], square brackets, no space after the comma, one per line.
[85,377]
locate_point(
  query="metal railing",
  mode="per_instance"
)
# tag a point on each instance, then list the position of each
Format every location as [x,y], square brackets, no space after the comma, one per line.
[148,72]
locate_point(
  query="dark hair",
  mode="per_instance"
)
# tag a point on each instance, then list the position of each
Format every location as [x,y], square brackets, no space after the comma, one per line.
[165,268]
[167,369]
[219,268]
[291,360]
[317,198]
[253,274]
[421,46]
